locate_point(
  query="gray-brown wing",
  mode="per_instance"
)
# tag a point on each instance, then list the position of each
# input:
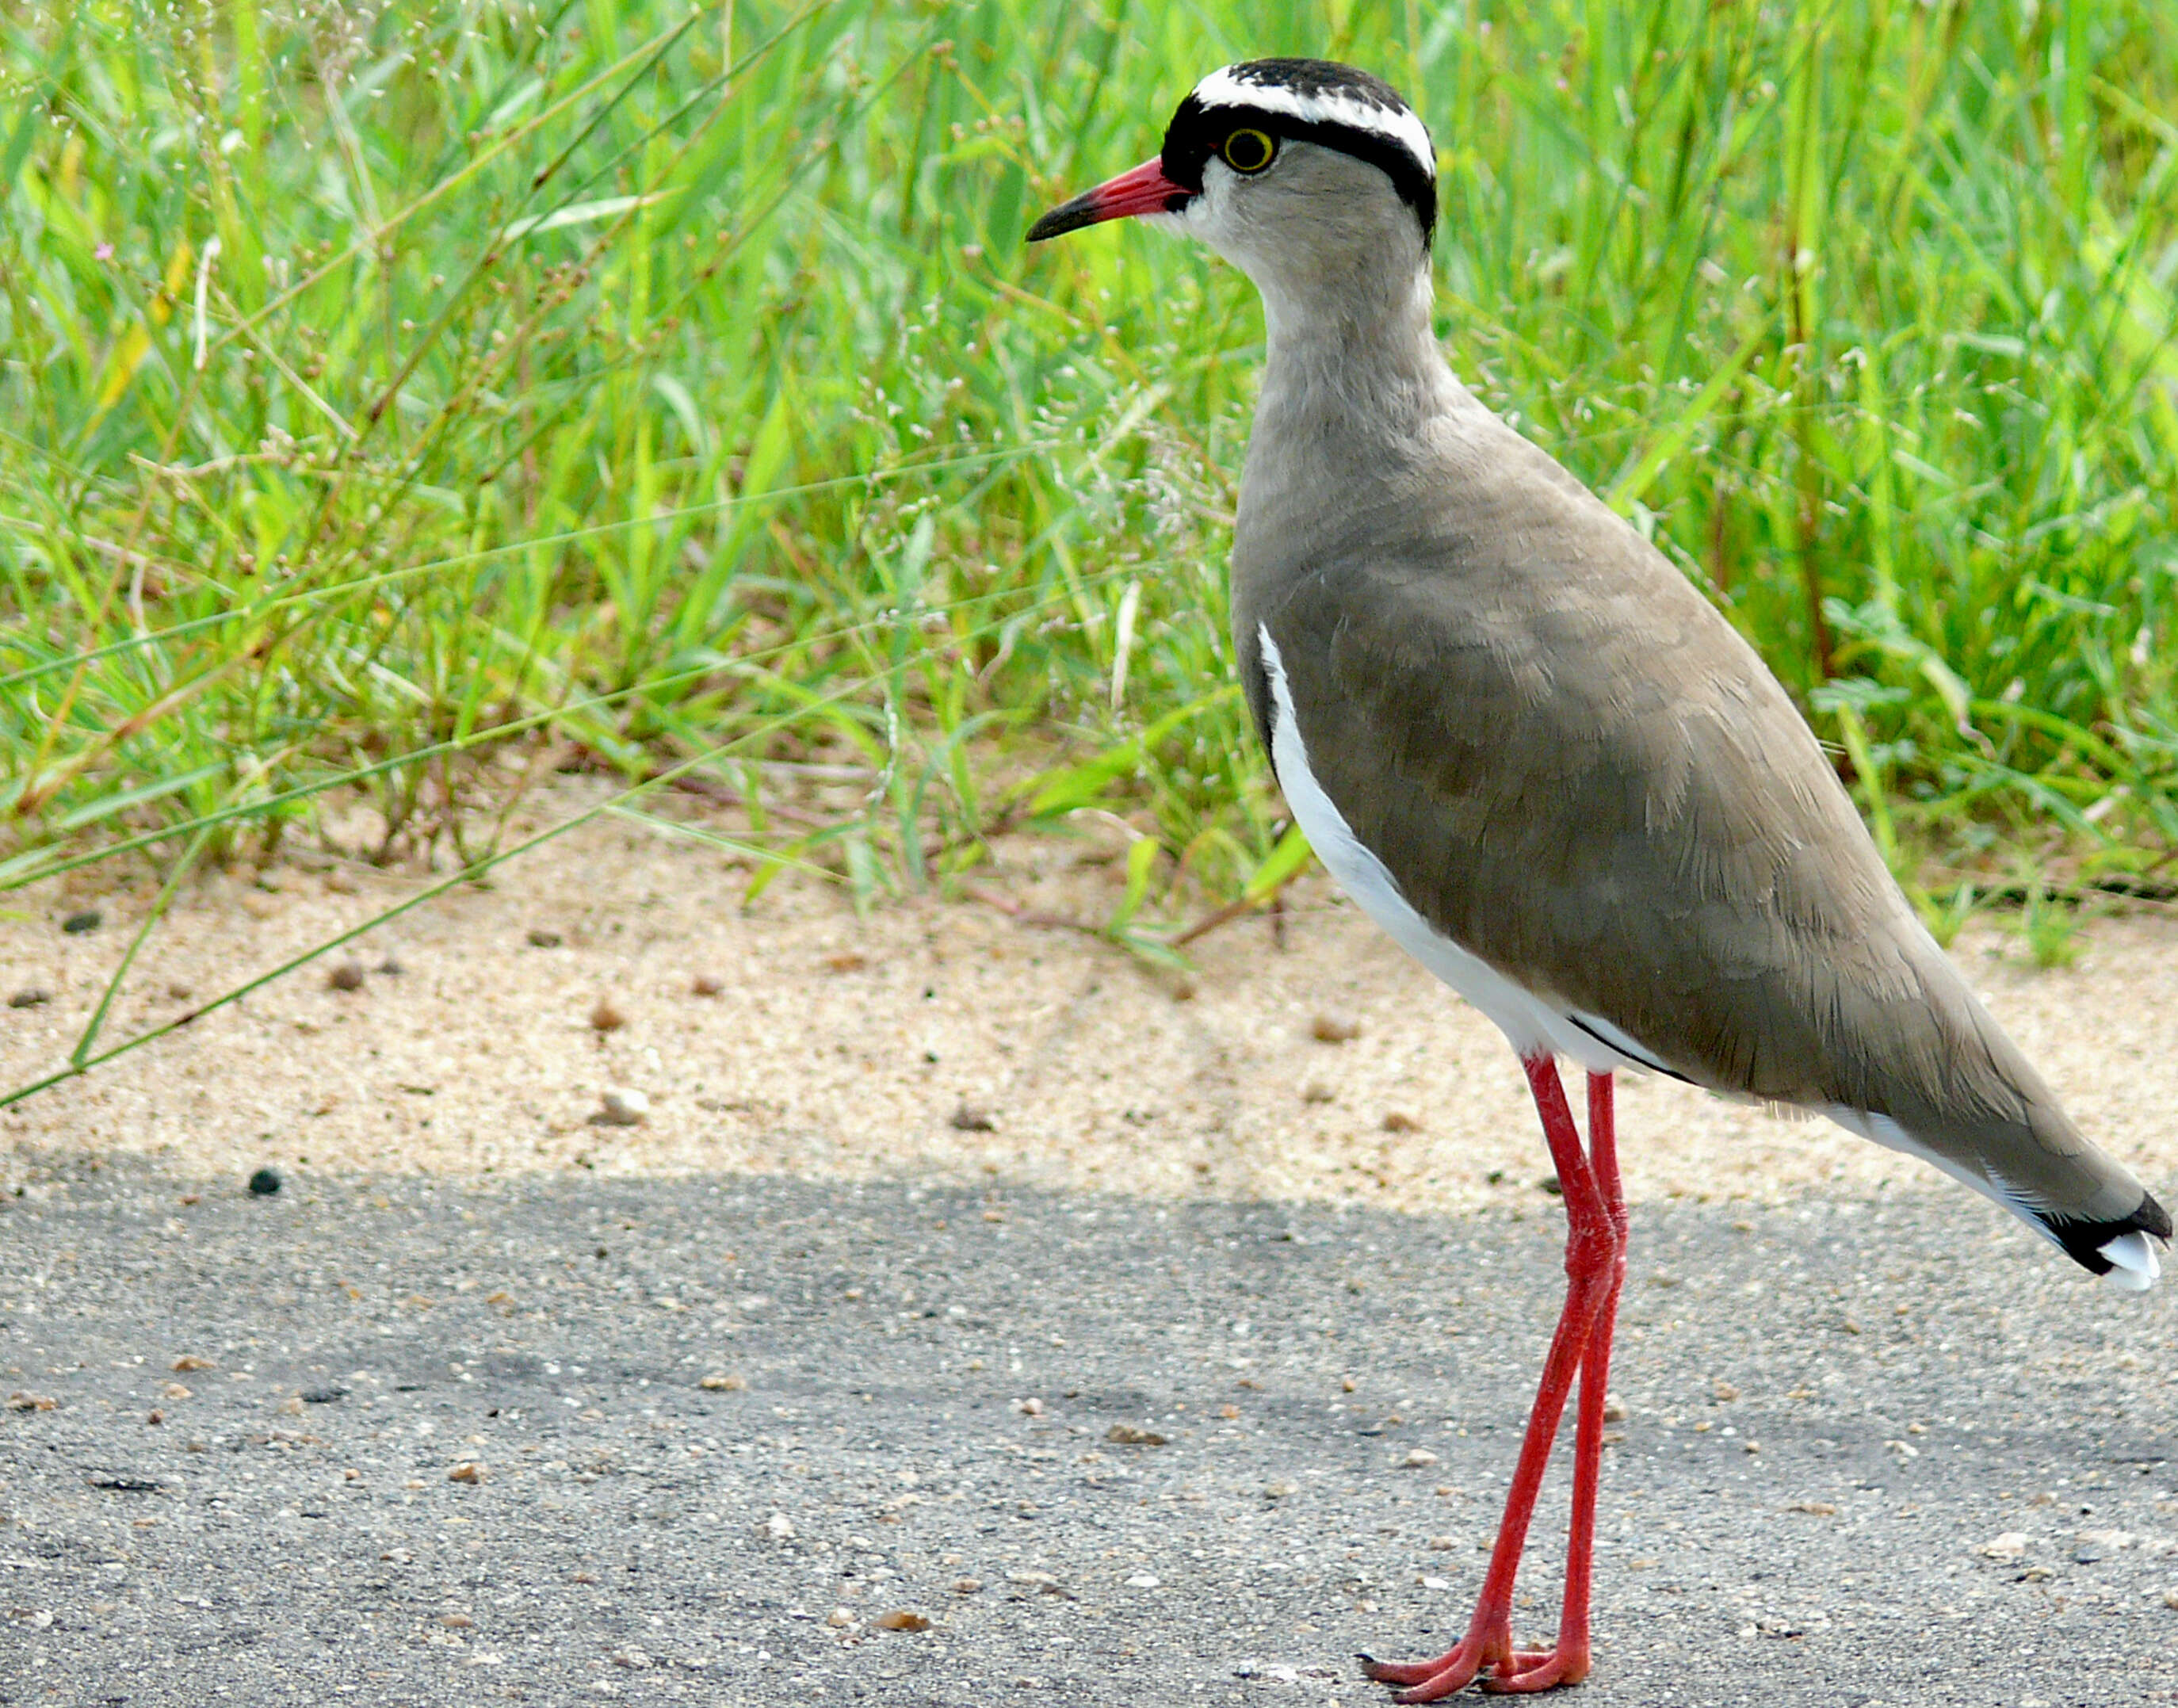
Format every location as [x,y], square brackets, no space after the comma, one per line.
[1578,770]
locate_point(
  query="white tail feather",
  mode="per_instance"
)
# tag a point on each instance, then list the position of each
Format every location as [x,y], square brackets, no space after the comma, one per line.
[2133,1268]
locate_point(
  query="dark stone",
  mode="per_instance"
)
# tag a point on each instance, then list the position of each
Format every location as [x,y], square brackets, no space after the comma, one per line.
[263,1183]
[77,924]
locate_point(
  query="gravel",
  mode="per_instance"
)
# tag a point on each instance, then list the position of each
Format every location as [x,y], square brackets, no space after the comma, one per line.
[634,1531]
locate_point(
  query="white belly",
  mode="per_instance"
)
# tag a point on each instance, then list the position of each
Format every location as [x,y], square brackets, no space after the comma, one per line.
[1534,1024]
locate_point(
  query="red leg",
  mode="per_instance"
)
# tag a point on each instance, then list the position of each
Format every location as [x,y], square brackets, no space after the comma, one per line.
[1567,1663]
[1593,1263]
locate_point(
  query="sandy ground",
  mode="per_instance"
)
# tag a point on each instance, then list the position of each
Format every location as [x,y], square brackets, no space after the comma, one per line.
[943,1040]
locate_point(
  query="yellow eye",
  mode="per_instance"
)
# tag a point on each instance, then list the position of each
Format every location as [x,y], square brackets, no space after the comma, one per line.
[1249,151]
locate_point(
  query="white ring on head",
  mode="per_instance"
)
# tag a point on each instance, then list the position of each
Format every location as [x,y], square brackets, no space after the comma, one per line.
[1333,107]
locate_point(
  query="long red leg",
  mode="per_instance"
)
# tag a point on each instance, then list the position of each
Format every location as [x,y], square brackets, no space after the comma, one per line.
[1594,1243]
[1567,1663]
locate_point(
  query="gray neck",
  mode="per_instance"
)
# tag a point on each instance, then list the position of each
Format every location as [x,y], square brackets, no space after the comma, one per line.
[1354,398]
[1358,350]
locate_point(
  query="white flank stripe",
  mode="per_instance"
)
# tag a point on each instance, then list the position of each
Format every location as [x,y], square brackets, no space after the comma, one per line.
[1222,89]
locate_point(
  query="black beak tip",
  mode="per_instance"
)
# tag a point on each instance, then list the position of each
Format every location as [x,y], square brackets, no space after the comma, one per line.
[1067,217]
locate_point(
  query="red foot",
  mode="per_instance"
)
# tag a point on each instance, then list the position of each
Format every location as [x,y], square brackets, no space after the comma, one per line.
[1506,1669]
[1544,1671]
[1429,1681]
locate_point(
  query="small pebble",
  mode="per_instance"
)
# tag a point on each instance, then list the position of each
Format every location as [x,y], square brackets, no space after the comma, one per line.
[2010,1546]
[1445,1544]
[847,960]
[21,1401]
[719,1383]
[32,997]
[1331,1029]
[78,923]
[1145,1580]
[967,1118]
[967,1586]
[1614,1408]
[1724,1391]
[542,938]
[174,1390]
[1316,1091]
[705,985]
[1280,1491]
[390,968]
[1549,1184]
[839,1619]
[156,1417]
[620,1107]
[1129,1435]
[456,1622]
[1418,1458]
[2170,1600]
[604,1017]
[635,1660]
[778,1528]
[189,1361]
[1395,1122]
[468,1471]
[1029,1408]
[321,1396]
[262,1185]
[347,976]
[903,1619]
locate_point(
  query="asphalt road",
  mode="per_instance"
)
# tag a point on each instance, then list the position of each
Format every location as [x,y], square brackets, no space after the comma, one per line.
[1885,1392]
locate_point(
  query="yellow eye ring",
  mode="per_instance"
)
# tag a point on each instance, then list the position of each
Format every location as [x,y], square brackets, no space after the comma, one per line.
[1249,151]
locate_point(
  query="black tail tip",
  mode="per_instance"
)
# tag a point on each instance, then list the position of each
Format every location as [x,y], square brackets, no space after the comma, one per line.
[2084,1240]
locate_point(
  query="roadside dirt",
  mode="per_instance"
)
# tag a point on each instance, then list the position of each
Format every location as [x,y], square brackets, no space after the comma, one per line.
[944,1040]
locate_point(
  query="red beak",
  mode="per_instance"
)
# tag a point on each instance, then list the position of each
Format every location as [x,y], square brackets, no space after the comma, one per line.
[1145,190]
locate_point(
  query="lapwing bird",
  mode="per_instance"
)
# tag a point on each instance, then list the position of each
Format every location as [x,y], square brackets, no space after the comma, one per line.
[1535,755]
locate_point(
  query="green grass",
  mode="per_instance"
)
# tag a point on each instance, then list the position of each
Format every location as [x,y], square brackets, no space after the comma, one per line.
[666,392]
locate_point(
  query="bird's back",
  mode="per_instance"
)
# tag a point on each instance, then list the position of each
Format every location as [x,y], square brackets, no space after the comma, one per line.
[1577,771]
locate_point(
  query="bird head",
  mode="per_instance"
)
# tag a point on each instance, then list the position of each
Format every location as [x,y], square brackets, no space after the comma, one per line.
[1300,171]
